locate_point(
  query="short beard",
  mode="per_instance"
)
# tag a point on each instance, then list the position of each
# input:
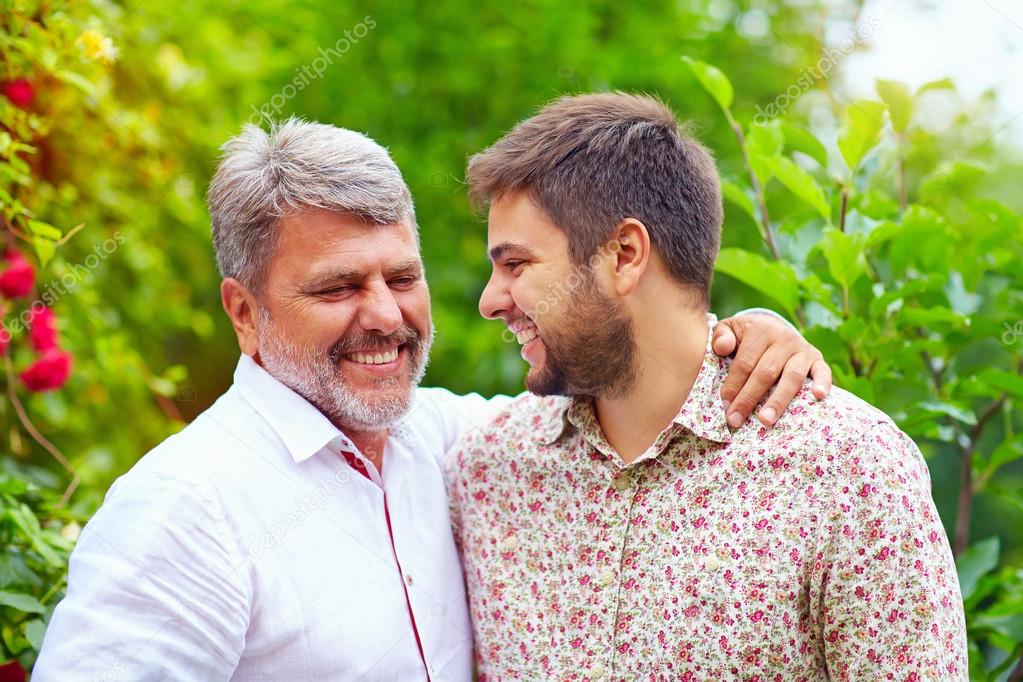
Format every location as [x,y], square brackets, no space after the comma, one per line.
[591,349]
[316,375]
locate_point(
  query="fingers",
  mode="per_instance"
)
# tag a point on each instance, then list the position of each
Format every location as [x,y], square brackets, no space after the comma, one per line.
[792,379]
[758,382]
[724,339]
[821,373]
[746,357]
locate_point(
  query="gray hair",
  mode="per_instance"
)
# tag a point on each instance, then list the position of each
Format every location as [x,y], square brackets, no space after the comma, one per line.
[298,166]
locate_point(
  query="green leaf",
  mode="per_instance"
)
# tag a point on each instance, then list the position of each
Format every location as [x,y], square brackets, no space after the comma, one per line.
[737,195]
[977,560]
[45,230]
[34,631]
[1007,451]
[844,253]
[800,139]
[802,184]
[942,84]
[78,81]
[862,131]
[713,81]
[763,143]
[771,278]
[899,100]
[766,139]
[1009,382]
[45,250]
[957,412]
[21,602]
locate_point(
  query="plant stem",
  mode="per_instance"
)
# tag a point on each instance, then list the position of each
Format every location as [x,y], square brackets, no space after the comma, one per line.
[961,536]
[842,211]
[900,177]
[36,435]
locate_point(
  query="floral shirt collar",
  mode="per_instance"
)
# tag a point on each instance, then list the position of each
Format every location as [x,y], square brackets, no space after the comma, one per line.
[703,412]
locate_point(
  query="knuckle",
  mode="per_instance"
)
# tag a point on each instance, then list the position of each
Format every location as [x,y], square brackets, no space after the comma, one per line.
[767,372]
[744,402]
[743,364]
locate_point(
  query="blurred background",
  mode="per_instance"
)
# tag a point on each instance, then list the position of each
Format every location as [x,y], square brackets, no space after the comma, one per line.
[871,153]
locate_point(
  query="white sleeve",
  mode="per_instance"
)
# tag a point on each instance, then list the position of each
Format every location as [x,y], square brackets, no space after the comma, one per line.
[766,311]
[156,590]
[459,413]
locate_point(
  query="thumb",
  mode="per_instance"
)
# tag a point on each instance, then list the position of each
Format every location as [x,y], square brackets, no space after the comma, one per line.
[724,339]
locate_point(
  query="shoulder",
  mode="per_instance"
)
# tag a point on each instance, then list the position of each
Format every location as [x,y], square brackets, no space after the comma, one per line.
[849,441]
[222,447]
[522,424]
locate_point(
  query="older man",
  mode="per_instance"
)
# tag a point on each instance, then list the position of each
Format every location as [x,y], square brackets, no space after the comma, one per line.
[299,528]
[614,526]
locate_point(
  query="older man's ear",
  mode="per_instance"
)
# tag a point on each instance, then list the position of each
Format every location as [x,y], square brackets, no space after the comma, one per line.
[768,351]
[240,306]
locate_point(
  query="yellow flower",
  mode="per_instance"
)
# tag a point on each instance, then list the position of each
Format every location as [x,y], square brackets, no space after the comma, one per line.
[97,46]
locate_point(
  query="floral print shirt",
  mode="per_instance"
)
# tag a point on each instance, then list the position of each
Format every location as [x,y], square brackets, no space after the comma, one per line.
[807,551]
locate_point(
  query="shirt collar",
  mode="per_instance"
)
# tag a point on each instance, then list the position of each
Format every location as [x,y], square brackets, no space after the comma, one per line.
[703,412]
[303,428]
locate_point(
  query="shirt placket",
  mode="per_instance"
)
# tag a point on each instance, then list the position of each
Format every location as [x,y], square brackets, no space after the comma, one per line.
[620,486]
[625,485]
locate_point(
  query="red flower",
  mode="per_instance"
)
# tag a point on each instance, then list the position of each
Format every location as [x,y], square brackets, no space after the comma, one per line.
[19,277]
[11,671]
[49,372]
[20,91]
[42,329]
[5,338]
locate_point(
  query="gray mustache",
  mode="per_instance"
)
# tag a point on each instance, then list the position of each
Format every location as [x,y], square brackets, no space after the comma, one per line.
[404,336]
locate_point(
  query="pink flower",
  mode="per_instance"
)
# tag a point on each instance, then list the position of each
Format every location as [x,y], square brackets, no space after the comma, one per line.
[42,329]
[49,372]
[5,338]
[19,277]
[20,91]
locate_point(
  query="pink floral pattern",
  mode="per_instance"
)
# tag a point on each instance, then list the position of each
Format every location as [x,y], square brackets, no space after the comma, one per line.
[808,551]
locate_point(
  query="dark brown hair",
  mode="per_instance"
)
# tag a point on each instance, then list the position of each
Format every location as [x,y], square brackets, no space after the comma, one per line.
[590,161]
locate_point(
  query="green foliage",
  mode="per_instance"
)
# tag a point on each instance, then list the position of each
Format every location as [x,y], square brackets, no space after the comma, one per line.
[893,246]
[36,536]
[913,294]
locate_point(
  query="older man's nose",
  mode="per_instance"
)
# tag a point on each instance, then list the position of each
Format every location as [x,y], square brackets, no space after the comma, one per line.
[380,312]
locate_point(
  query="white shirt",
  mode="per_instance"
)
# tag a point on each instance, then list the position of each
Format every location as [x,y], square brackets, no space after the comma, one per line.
[246,548]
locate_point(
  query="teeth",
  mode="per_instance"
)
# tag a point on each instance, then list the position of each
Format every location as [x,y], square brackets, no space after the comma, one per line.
[374,358]
[526,335]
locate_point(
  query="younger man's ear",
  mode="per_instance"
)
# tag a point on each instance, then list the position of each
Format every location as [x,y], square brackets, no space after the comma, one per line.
[632,252]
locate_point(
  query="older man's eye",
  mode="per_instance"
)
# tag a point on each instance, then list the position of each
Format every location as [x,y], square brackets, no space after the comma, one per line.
[334,291]
[513,264]
[404,282]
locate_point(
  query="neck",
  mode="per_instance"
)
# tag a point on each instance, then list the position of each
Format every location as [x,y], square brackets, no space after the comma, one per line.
[371,444]
[670,347]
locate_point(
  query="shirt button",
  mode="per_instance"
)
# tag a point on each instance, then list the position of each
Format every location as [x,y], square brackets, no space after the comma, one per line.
[597,672]
[408,579]
[623,481]
[712,563]
[606,578]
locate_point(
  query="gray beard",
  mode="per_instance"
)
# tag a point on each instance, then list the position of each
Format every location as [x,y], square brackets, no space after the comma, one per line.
[316,376]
